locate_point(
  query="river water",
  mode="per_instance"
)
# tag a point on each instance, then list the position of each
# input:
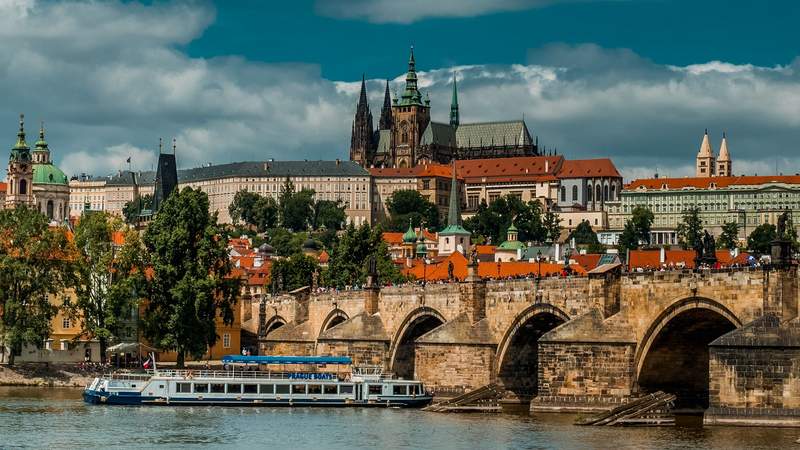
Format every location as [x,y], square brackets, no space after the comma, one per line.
[58,419]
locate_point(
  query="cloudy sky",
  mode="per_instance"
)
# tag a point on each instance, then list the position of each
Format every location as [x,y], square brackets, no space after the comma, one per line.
[233,80]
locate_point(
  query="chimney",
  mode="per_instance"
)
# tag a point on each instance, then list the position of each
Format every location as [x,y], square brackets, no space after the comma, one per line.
[546,165]
[662,256]
[338,161]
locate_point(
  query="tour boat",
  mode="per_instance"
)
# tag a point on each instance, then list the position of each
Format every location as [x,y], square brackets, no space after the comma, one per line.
[245,382]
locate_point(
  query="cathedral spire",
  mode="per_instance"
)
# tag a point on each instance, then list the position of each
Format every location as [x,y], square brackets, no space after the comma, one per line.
[411,95]
[21,144]
[453,212]
[41,152]
[362,133]
[454,119]
[385,122]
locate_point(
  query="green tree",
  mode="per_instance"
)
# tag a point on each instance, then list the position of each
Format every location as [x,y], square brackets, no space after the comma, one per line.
[254,210]
[552,226]
[292,273]
[105,278]
[690,229]
[328,214]
[491,222]
[409,205]
[132,208]
[190,284]
[629,239]
[34,269]
[642,219]
[348,264]
[285,242]
[729,238]
[760,239]
[585,236]
[296,208]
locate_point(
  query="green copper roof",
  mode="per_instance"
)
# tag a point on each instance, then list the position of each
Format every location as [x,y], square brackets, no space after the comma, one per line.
[411,95]
[21,151]
[41,144]
[511,245]
[512,228]
[48,174]
[451,230]
[454,119]
[409,236]
[422,249]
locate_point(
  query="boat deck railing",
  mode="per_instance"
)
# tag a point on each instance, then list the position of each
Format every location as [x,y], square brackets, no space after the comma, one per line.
[249,374]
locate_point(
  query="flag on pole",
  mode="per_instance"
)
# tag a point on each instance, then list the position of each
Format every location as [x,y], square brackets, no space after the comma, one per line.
[149,363]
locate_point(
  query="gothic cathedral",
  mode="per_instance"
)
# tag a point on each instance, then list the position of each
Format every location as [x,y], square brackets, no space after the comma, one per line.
[406,136]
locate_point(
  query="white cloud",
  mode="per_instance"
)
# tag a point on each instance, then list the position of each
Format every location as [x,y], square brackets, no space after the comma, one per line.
[109,80]
[409,11]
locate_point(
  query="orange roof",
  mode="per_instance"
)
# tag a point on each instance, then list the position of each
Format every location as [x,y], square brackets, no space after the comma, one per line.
[582,168]
[392,237]
[529,168]
[239,242]
[706,182]
[485,249]
[422,170]
[3,187]
[650,258]
[428,235]
[588,261]
[439,271]
[324,257]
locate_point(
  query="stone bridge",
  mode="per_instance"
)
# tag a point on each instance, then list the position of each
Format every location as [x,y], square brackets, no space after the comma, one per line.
[725,340]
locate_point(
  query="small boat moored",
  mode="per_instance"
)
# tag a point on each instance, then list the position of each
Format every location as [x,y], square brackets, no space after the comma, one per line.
[244,382]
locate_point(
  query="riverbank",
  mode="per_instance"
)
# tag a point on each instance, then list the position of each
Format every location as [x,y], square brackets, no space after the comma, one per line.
[41,375]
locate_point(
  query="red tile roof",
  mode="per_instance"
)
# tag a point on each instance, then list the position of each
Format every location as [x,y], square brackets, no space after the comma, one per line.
[439,271]
[392,237]
[486,249]
[422,170]
[584,168]
[3,187]
[526,168]
[681,258]
[324,257]
[706,182]
[588,261]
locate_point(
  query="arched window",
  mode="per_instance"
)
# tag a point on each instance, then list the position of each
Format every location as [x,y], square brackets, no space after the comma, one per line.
[563,194]
[50,209]
[574,193]
[404,133]
[23,187]
[605,197]
[598,193]
[589,193]
[613,192]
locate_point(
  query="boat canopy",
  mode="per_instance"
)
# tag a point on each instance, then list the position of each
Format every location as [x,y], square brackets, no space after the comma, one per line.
[240,359]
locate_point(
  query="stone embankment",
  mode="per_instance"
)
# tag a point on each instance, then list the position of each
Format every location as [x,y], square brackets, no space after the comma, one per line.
[45,375]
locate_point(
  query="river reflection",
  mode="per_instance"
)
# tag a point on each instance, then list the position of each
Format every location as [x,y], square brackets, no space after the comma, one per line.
[56,419]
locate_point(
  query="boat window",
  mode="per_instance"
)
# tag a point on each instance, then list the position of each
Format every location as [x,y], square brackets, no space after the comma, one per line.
[281,388]
[330,389]
[420,391]
[346,389]
[217,388]
[201,388]
[234,388]
[298,389]
[184,387]
[375,389]
[399,389]
[267,388]
[251,389]
[314,389]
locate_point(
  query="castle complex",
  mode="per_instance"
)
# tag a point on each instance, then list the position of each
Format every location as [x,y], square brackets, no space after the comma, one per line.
[406,136]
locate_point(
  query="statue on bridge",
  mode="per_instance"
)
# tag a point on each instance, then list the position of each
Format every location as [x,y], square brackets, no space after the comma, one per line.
[372,272]
[699,248]
[709,250]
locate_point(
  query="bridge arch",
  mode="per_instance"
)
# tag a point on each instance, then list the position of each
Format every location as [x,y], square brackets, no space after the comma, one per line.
[401,350]
[334,318]
[273,323]
[673,354]
[516,361]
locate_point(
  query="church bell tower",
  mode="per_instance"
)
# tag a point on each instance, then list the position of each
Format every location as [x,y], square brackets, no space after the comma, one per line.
[20,171]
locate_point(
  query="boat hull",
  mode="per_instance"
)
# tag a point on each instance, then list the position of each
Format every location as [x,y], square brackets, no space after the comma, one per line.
[95,397]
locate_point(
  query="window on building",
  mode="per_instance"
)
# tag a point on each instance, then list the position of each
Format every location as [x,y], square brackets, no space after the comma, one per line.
[226,340]
[66,323]
[574,193]
[563,194]
[589,193]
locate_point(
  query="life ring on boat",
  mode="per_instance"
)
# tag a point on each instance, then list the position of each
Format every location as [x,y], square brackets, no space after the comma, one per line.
[189,375]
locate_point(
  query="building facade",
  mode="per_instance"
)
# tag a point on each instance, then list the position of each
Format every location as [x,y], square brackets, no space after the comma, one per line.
[342,181]
[406,136]
[747,200]
[432,181]
[33,179]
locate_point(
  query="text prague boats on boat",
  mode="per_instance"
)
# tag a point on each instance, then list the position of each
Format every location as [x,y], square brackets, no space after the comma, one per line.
[251,380]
